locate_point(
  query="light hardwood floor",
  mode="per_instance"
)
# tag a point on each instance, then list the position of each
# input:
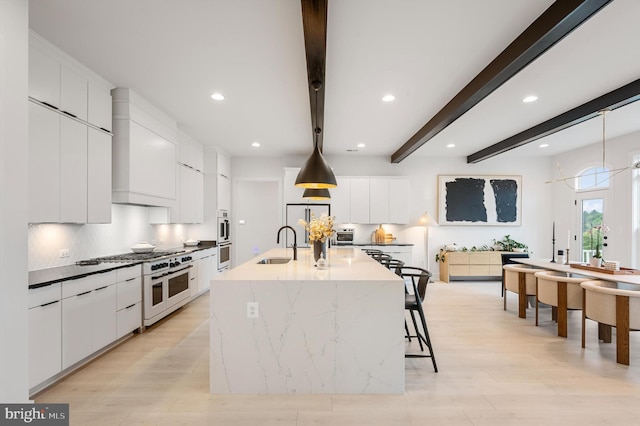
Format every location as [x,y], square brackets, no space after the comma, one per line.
[495,369]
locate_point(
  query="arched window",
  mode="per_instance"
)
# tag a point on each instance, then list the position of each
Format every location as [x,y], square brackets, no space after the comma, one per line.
[592,178]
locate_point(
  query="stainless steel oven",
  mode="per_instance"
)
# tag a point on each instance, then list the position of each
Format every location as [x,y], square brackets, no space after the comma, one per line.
[166,287]
[224,240]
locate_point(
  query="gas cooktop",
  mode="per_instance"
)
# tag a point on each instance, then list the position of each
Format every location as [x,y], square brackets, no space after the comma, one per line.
[133,257]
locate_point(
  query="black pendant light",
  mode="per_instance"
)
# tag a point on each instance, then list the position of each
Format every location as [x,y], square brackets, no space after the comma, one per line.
[315,172]
[316,194]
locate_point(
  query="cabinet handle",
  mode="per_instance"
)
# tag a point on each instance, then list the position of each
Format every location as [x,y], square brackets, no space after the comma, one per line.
[50,303]
[130,306]
[102,288]
[49,105]
[69,114]
[106,130]
[130,279]
[82,294]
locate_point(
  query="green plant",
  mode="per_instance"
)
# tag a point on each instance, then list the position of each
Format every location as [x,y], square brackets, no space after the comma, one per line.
[440,256]
[508,244]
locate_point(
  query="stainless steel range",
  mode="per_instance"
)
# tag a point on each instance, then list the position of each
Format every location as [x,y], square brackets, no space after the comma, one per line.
[165,281]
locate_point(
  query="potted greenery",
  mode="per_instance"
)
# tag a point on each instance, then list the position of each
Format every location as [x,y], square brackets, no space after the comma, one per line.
[509,244]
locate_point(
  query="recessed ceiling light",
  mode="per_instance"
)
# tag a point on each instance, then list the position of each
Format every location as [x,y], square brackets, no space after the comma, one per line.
[451,145]
[217,97]
[543,145]
[256,144]
[530,98]
[361,145]
[388,98]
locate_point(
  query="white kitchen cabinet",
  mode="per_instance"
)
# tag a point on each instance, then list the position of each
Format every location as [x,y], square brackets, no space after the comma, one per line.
[44,164]
[207,265]
[191,195]
[44,77]
[291,193]
[379,200]
[193,276]
[223,165]
[128,300]
[99,177]
[99,106]
[73,93]
[399,200]
[88,316]
[103,316]
[45,334]
[73,171]
[359,200]
[191,152]
[341,200]
[77,341]
[224,193]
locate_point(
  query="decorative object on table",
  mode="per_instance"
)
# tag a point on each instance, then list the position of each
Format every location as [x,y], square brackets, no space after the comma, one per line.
[322,262]
[560,257]
[143,247]
[553,244]
[191,243]
[566,258]
[621,271]
[379,235]
[596,238]
[479,200]
[320,230]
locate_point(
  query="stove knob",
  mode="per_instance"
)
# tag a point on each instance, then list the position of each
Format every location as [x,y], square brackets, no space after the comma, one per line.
[177,263]
[172,264]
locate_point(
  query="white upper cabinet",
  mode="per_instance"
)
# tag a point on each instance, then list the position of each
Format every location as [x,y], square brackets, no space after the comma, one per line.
[379,200]
[99,177]
[341,200]
[73,171]
[73,93]
[99,106]
[44,164]
[370,200]
[223,163]
[191,152]
[399,200]
[360,200]
[44,77]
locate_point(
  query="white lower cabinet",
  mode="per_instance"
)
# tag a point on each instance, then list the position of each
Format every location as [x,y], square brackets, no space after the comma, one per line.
[88,316]
[207,266]
[128,300]
[45,334]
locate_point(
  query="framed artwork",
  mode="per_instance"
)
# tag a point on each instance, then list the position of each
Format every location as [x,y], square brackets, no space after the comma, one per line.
[480,200]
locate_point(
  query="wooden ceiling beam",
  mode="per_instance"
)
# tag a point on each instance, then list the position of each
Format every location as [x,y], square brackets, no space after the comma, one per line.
[553,25]
[314,23]
[615,99]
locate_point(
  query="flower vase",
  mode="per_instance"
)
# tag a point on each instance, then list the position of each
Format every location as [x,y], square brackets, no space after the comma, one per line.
[319,248]
[595,262]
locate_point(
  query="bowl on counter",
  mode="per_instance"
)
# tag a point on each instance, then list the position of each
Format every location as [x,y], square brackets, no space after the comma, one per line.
[143,248]
[191,243]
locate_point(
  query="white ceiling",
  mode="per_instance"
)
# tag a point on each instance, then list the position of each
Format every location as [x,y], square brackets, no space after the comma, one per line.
[176,53]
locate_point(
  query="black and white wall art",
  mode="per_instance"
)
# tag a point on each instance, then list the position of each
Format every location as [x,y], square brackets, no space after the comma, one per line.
[479,200]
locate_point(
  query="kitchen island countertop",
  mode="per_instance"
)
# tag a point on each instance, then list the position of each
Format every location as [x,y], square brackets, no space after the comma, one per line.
[291,328]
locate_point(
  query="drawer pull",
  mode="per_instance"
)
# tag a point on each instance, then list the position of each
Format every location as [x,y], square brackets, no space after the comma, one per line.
[82,294]
[130,279]
[50,303]
[130,306]
[102,288]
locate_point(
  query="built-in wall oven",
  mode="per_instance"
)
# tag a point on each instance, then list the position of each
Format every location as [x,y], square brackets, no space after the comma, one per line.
[224,240]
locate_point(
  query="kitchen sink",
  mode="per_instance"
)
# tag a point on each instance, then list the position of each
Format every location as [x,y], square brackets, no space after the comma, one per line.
[274,260]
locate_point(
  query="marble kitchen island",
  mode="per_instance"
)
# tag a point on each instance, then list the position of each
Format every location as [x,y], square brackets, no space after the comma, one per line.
[333,331]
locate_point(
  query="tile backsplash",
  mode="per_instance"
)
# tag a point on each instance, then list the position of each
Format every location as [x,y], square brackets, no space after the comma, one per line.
[129,225]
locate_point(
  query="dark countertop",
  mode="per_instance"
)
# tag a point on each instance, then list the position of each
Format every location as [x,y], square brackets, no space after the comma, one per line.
[44,277]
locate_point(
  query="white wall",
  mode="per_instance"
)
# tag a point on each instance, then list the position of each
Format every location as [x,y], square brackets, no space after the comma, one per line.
[619,154]
[14,373]
[423,173]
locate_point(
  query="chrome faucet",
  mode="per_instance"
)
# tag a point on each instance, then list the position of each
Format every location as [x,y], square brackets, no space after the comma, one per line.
[295,242]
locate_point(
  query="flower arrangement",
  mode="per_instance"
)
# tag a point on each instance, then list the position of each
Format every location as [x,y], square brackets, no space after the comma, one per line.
[595,241]
[319,229]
